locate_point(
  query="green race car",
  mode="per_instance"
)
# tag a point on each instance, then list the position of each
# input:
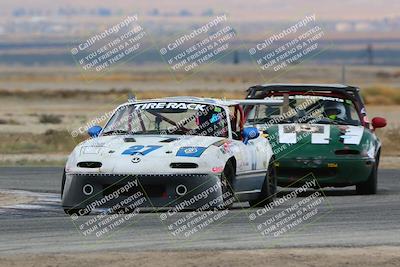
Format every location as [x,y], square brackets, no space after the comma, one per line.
[318,131]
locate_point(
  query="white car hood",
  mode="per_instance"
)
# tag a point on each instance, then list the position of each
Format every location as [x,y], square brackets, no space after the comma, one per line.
[113,152]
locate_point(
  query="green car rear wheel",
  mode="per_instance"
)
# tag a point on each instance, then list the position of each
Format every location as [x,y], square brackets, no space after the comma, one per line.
[370,186]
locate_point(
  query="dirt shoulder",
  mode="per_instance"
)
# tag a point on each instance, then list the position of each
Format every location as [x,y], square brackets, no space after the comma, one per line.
[369,256]
[389,162]
[10,198]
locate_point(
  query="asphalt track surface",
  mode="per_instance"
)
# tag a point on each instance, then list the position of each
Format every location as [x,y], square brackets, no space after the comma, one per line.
[342,219]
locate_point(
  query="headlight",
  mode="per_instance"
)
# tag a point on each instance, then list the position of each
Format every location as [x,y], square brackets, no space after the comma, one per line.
[90,150]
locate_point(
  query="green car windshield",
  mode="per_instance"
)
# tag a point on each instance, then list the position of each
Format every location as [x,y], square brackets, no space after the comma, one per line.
[306,109]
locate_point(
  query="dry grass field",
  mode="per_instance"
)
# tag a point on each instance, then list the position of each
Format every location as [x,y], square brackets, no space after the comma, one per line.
[296,257]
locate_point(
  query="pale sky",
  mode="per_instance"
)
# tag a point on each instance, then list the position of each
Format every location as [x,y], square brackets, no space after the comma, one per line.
[246,10]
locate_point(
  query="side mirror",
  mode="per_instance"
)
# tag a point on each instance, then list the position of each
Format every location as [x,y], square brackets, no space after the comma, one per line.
[249,133]
[94,131]
[378,122]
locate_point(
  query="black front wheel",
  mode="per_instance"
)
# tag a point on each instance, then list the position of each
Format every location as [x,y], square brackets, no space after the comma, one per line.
[68,211]
[268,189]
[62,184]
[226,185]
[71,211]
[76,212]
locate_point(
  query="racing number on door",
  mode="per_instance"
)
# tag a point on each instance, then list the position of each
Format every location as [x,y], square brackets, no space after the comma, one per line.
[139,149]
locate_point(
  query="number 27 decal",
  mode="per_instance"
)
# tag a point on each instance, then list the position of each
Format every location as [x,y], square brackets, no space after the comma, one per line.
[140,150]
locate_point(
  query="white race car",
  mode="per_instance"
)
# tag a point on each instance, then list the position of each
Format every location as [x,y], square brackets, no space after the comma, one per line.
[180,152]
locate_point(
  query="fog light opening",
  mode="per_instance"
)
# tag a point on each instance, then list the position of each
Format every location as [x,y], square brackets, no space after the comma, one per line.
[181,190]
[87,189]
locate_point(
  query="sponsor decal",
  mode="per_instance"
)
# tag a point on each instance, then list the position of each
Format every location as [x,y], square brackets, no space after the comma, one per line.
[287,134]
[170,105]
[214,118]
[308,97]
[319,133]
[217,169]
[353,135]
[321,136]
[140,150]
[190,151]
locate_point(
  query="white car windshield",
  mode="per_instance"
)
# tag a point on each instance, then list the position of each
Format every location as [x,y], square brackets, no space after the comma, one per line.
[176,118]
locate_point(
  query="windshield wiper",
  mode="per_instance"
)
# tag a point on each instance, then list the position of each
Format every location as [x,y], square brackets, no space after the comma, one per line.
[325,121]
[287,121]
[117,132]
[179,132]
[335,122]
[257,121]
[347,123]
[269,120]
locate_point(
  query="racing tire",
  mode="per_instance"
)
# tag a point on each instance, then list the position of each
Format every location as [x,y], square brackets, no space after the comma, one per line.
[76,212]
[71,211]
[273,180]
[63,183]
[268,189]
[227,177]
[68,211]
[369,187]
